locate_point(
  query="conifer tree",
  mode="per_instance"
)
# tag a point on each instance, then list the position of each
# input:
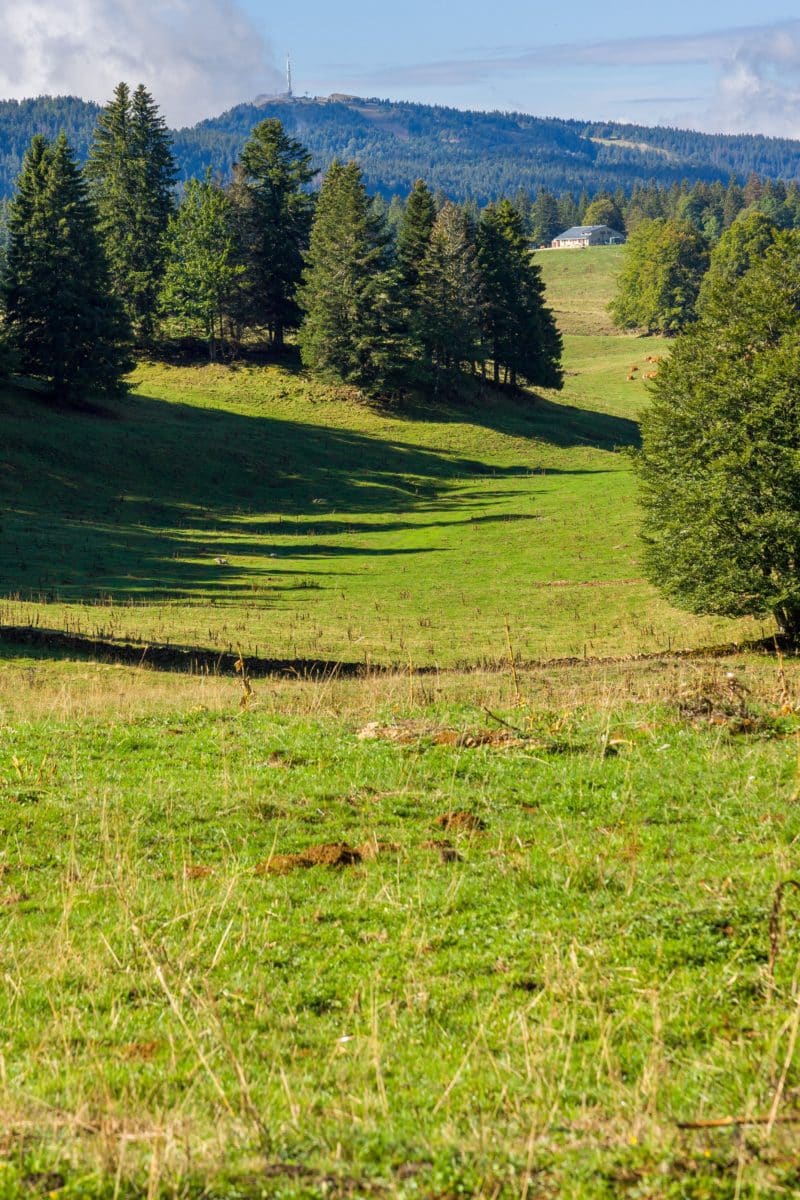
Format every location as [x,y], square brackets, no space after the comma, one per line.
[132,176]
[350,330]
[205,266]
[720,460]
[62,319]
[414,234]
[545,219]
[449,298]
[520,332]
[274,212]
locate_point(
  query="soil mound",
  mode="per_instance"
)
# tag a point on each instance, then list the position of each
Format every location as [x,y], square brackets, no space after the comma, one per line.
[462,821]
[329,854]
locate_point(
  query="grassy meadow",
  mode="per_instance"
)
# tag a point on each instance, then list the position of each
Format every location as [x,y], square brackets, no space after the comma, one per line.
[346,532]
[501,933]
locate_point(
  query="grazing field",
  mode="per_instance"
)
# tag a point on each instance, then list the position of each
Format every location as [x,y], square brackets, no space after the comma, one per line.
[580,284]
[529,950]
[220,507]
[515,932]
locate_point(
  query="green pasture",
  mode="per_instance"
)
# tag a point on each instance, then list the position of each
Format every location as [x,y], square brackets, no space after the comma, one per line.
[527,1004]
[343,531]
[546,954]
[580,284]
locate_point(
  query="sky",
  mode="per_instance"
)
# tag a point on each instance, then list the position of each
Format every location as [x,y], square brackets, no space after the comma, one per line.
[727,67]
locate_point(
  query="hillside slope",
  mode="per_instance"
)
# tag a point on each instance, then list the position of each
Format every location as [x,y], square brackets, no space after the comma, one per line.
[469,155]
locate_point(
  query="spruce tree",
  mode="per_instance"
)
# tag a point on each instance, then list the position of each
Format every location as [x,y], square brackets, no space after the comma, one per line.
[520,331]
[205,264]
[274,212]
[414,233]
[350,330]
[545,219]
[720,459]
[449,298]
[62,319]
[132,176]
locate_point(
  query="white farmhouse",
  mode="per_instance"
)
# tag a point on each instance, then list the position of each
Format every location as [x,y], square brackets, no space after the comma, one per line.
[587,235]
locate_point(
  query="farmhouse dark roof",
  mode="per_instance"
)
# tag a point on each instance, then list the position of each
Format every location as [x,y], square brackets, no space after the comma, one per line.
[579,231]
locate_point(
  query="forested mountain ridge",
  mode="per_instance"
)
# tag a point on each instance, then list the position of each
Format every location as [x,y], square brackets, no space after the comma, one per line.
[468,155]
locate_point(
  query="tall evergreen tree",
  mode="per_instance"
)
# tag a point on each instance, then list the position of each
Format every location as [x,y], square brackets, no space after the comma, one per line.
[720,460]
[520,331]
[350,330]
[61,317]
[274,211]
[449,300]
[414,234]
[205,266]
[545,220]
[132,176]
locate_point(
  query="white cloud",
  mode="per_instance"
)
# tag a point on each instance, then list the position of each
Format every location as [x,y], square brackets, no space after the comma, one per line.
[196,56]
[753,72]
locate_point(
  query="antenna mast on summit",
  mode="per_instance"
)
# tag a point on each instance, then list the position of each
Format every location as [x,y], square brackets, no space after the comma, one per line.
[289,76]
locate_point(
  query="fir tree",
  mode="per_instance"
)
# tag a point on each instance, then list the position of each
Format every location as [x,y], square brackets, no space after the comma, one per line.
[414,234]
[61,317]
[132,175]
[545,222]
[205,266]
[274,212]
[720,460]
[350,330]
[520,332]
[449,300]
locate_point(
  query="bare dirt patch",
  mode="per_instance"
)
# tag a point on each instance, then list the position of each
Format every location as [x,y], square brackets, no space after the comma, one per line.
[329,854]
[460,822]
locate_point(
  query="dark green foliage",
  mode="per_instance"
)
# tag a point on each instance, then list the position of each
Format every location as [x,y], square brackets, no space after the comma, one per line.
[449,306]
[414,232]
[659,283]
[466,154]
[132,174]
[274,217]
[720,463]
[205,267]
[545,219]
[741,246]
[519,330]
[350,330]
[604,210]
[61,317]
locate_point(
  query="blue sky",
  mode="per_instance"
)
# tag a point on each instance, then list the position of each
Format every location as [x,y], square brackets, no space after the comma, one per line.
[715,66]
[731,67]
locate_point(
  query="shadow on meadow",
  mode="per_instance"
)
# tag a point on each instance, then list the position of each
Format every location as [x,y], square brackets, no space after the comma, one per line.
[144,500]
[530,415]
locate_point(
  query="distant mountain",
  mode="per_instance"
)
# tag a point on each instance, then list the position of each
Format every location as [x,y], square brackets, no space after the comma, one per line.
[469,155]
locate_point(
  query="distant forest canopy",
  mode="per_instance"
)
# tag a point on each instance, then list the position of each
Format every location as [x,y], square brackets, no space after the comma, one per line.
[473,156]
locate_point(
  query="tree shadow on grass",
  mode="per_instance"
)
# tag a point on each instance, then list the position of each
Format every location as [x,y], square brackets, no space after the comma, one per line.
[531,415]
[144,505]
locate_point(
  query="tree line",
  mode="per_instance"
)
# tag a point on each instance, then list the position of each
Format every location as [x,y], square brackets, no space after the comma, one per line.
[469,155]
[666,268]
[101,260]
